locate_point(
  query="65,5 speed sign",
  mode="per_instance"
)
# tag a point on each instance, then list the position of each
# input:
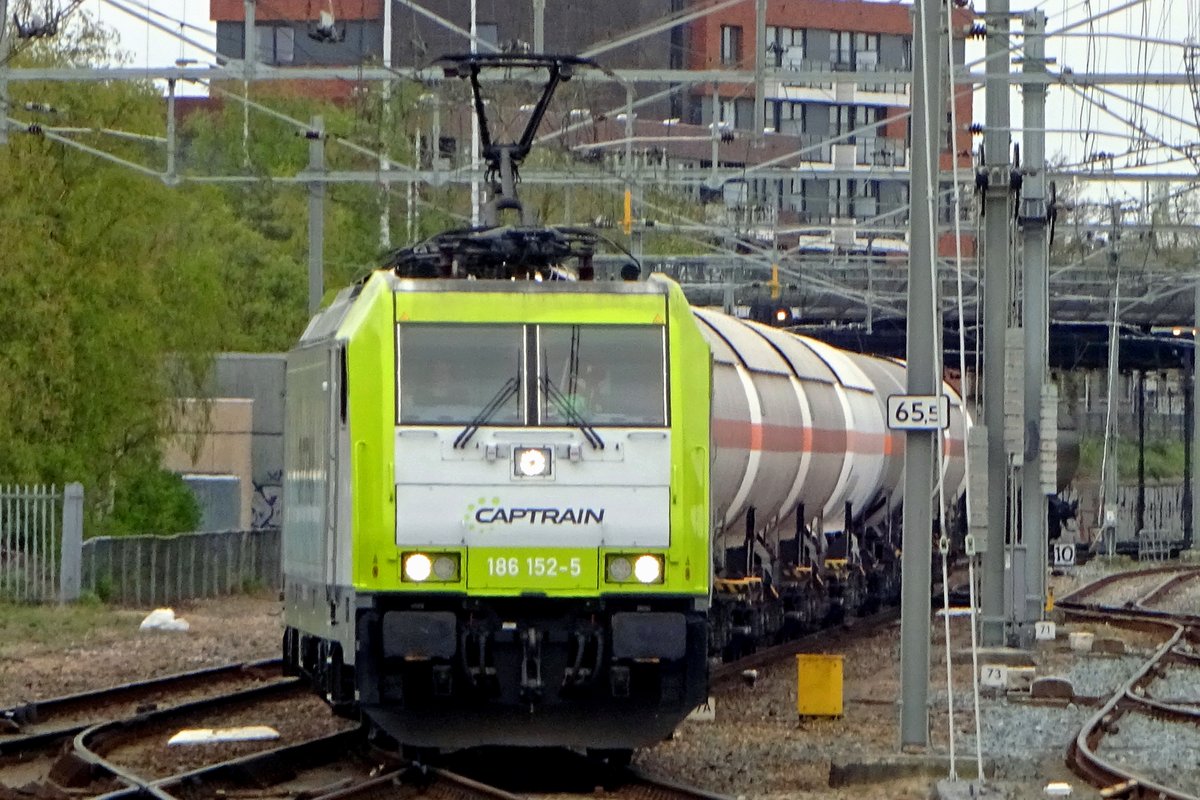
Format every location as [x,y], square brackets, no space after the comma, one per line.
[918,412]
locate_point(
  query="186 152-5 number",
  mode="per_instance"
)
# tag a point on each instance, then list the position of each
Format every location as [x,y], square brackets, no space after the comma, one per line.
[533,566]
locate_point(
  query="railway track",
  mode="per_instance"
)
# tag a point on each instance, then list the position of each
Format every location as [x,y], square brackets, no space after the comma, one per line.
[34,735]
[47,719]
[1122,764]
[57,754]
[344,766]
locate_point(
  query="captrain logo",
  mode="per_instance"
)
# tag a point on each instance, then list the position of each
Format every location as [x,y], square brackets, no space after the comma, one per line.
[482,515]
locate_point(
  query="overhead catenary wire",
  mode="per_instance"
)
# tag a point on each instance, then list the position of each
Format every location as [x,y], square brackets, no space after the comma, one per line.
[1105,12]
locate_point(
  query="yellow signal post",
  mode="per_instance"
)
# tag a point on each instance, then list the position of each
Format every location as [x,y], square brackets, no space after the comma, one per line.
[627,221]
[774,283]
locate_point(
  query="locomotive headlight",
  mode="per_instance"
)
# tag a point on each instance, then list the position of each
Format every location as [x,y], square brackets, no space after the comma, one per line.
[532,462]
[644,568]
[445,567]
[417,567]
[648,569]
[619,569]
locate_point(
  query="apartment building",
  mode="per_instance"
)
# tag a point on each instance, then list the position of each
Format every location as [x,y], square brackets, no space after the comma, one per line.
[854,138]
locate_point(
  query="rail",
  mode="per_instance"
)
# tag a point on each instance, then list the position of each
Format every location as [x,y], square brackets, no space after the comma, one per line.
[1132,698]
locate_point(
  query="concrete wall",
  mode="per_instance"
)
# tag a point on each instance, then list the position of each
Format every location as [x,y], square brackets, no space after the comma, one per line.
[259,377]
[214,438]
[248,386]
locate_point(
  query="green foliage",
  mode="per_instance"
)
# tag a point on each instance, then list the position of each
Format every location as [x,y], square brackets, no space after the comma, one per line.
[105,276]
[105,588]
[1164,459]
[24,628]
[253,585]
[90,600]
[150,500]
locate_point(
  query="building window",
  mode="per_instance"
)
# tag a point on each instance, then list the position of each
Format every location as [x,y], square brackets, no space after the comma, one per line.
[785,47]
[841,48]
[785,116]
[841,121]
[853,198]
[866,50]
[731,44]
[276,44]
[728,113]
[867,204]
[866,117]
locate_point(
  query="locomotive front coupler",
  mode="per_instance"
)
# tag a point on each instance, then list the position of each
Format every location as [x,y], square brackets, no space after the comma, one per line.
[531,665]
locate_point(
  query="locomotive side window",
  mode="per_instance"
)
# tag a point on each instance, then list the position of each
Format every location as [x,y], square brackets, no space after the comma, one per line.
[603,374]
[451,374]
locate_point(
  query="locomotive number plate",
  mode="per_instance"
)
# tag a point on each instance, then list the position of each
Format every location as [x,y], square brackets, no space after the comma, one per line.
[534,568]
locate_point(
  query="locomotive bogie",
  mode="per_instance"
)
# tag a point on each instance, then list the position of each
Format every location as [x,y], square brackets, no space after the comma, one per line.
[455,672]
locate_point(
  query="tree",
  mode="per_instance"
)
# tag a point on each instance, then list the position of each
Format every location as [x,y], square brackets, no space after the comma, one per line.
[106,275]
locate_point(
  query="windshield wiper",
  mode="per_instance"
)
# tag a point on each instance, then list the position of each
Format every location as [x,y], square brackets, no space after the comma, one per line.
[501,397]
[568,410]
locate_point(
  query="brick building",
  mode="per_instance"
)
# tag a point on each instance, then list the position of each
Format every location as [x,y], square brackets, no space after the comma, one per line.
[855,136]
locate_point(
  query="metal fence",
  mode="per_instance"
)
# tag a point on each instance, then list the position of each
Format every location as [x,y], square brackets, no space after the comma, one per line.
[1164,510]
[43,557]
[154,570]
[41,528]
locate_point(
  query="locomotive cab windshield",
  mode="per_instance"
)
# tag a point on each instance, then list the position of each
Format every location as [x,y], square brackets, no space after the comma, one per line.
[585,376]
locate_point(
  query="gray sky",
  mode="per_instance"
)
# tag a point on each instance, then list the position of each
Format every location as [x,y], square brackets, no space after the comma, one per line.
[149,46]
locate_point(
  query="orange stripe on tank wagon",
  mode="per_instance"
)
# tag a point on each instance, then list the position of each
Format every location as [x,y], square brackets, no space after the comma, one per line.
[741,435]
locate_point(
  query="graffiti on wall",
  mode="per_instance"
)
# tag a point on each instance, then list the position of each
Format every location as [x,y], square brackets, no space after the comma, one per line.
[267,505]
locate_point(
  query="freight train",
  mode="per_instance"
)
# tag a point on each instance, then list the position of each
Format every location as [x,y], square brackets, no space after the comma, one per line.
[527,506]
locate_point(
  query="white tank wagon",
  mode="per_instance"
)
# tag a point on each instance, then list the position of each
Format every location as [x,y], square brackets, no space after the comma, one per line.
[800,432]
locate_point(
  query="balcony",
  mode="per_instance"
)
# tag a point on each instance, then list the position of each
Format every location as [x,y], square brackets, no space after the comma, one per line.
[881,92]
[880,151]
